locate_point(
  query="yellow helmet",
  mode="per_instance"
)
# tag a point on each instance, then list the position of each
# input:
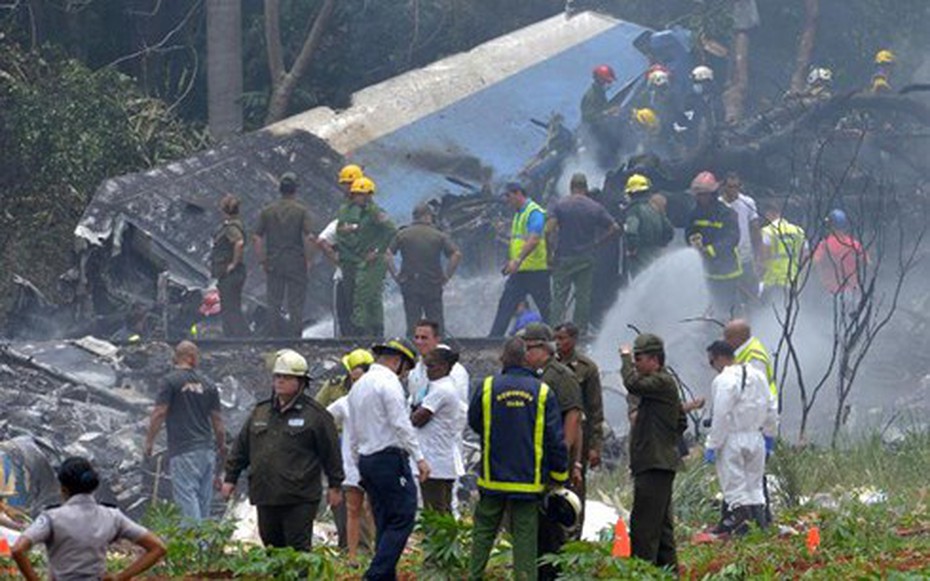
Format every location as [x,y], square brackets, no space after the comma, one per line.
[290,362]
[350,173]
[356,358]
[638,183]
[362,185]
[884,57]
[647,118]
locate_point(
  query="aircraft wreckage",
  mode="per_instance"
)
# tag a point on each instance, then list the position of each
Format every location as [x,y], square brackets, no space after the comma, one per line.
[453,131]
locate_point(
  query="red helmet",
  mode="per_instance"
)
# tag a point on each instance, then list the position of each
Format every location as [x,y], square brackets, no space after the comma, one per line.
[704,183]
[604,74]
[657,75]
[210,305]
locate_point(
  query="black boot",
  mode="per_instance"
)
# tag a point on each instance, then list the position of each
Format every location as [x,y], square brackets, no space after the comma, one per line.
[759,515]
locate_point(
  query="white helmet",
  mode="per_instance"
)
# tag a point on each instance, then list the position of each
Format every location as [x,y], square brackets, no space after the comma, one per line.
[290,362]
[562,506]
[819,75]
[702,73]
[657,76]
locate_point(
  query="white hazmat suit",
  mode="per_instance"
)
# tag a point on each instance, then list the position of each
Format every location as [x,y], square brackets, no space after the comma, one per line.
[744,412]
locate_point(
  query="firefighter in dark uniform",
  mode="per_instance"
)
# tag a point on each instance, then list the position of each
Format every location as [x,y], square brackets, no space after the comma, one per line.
[712,229]
[540,355]
[287,442]
[228,267]
[654,451]
[282,244]
[517,417]
[589,379]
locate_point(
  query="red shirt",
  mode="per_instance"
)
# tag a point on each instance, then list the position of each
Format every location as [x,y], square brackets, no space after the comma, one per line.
[838,258]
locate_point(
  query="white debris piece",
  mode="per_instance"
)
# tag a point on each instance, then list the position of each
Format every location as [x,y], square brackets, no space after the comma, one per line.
[597,517]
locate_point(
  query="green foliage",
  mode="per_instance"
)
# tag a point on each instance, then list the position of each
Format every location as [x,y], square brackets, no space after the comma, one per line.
[446,542]
[282,563]
[581,560]
[200,548]
[63,130]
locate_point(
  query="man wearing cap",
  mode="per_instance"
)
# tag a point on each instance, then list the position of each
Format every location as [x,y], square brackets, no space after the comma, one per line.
[283,243]
[287,443]
[382,439]
[647,230]
[654,452]
[522,451]
[578,226]
[421,246]
[362,237]
[527,268]
[540,356]
[712,230]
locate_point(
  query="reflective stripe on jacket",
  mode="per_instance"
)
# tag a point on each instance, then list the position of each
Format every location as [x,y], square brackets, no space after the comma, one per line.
[787,243]
[522,446]
[719,232]
[756,351]
[536,260]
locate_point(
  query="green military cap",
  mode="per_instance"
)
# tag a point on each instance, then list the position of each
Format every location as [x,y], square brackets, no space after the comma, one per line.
[288,178]
[648,343]
[536,332]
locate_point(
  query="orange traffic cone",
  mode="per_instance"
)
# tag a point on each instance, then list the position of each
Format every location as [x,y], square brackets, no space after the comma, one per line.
[813,540]
[4,547]
[621,548]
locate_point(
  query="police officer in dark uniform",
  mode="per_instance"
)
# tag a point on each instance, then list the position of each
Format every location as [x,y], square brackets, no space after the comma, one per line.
[284,226]
[654,452]
[421,246]
[589,379]
[228,267]
[287,442]
[540,356]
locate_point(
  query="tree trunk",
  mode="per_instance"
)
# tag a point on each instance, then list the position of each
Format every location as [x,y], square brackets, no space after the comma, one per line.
[734,98]
[224,67]
[806,45]
[285,81]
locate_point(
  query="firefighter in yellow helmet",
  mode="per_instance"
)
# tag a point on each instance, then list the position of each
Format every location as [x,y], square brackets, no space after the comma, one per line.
[884,66]
[646,229]
[363,235]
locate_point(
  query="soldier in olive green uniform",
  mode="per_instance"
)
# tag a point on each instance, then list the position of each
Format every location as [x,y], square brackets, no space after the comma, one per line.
[287,442]
[589,379]
[362,237]
[284,227]
[421,246]
[540,355]
[227,266]
[654,452]
[647,230]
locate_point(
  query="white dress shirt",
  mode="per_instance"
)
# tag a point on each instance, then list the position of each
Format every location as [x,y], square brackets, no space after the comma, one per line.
[339,409]
[378,415]
[745,208]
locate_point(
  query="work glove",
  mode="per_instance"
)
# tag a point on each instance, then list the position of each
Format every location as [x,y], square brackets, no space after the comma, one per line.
[710,456]
[769,445]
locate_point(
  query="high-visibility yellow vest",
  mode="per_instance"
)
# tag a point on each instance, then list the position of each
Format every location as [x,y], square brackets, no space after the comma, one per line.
[756,351]
[519,235]
[787,243]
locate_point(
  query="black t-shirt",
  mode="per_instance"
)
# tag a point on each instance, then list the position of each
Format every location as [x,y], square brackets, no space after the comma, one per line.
[190,400]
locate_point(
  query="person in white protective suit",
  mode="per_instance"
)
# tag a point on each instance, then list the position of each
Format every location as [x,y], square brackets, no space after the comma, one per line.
[745,416]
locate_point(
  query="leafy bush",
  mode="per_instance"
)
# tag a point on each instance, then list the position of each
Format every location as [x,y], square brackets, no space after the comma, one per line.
[580,560]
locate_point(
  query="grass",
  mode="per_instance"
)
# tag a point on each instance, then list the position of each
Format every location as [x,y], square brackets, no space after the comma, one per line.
[870,502]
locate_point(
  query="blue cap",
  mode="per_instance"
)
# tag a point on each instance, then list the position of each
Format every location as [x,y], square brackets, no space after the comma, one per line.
[512,187]
[837,218]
